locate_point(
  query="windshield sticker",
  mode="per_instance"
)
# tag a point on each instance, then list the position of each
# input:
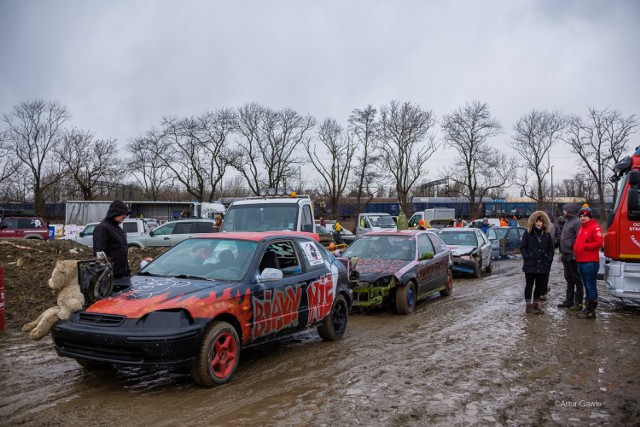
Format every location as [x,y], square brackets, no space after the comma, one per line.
[311,252]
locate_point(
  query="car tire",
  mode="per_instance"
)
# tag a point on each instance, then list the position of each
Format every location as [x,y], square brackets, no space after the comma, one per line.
[218,356]
[405,298]
[489,268]
[334,325]
[477,269]
[449,286]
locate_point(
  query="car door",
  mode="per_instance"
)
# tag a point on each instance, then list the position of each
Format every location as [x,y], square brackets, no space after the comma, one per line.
[512,244]
[280,305]
[85,237]
[9,229]
[431,272]
[485,247]
[161,236]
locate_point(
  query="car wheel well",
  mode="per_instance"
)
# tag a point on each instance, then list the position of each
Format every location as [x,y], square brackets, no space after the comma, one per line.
[230,319]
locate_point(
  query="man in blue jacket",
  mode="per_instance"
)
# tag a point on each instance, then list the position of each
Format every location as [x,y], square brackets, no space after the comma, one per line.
[110,238]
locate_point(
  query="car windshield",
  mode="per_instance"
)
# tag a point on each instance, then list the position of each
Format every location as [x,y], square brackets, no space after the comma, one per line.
[460,239]
[211,259]
[265,217]
[386,247]
[382,221]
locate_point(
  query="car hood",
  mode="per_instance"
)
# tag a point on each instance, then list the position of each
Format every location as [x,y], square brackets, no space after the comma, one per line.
[201,298]
[459,250]
[372,269]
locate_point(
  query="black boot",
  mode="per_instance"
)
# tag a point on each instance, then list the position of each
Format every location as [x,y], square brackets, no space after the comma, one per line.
[590,311]
[565,304]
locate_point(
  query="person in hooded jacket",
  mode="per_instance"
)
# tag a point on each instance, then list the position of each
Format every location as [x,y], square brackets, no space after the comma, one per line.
[575,289]
[536,248]
[587,250]
[110,238]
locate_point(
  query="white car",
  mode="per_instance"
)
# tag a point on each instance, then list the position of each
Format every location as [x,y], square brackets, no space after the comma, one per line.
[470,248]
[172,232]
[134,227]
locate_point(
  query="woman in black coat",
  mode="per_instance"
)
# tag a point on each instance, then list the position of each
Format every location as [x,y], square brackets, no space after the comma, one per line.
[537,248]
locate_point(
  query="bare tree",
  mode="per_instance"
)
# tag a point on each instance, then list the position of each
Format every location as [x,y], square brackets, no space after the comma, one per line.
[479,169]
[364,128]
[89,160]
[268,148]
[196,151]
[33,131]
[334,161]
[406,143]
[147,163]
[534,136]
[600,140]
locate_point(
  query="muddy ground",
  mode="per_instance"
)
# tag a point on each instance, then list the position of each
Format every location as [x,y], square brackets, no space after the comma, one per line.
[474,358]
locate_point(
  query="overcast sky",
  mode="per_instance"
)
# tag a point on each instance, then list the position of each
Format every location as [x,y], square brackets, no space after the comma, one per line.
[120,65]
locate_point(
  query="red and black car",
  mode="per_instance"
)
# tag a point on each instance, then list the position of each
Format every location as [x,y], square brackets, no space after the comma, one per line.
[198,304]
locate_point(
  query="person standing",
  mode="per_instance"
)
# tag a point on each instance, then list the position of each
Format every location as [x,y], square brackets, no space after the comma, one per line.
[484,226]
[513,222]
[587,250]
[537,252]
[575,289]
[110,238]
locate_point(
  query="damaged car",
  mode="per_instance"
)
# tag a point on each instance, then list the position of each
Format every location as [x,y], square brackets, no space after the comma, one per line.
[397,268]
[202,301]
[470,248]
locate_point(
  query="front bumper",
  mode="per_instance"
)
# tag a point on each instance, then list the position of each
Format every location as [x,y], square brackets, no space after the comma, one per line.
[463,265]
[366,294]
[126,343]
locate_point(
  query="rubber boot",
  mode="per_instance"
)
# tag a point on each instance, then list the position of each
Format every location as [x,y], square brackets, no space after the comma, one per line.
[536,308]
[589,312]
[565,304]
[529,308]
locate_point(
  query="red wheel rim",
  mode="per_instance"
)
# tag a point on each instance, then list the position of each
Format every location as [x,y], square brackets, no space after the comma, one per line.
[223,356]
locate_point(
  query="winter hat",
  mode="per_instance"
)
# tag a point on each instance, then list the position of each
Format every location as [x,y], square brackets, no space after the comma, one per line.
[586,210]
[116,208]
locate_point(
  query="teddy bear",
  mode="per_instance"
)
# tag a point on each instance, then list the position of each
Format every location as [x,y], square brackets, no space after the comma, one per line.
[64,279]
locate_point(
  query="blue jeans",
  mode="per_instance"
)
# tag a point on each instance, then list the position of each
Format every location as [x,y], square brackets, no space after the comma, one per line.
[588,272]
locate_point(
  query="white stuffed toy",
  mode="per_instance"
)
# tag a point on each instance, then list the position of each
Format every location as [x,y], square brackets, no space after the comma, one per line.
[70,299]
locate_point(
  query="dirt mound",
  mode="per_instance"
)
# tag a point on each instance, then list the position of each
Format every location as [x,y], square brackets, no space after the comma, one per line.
[27,267]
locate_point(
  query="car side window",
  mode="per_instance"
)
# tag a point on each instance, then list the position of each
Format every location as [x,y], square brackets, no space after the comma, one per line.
[438,244]
[185,228]
[10,223]
[307,219]
[287,256]
[424,246]
[482,238]
[205,227]
[164,230]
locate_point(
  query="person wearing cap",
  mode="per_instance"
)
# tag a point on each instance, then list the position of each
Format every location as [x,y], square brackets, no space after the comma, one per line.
[504,222]
[575,290]
[110,238]
[536,248]
[484,226]
[587,250]
[421,225]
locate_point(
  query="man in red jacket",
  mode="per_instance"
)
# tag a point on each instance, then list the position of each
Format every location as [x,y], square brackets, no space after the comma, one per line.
[587,252]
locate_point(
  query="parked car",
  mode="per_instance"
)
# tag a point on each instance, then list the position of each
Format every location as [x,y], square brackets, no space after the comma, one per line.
[505,241]
[20,226]
[134,227]
[347,236]
[172,233]
[470,248]
[397,268]
[198,304]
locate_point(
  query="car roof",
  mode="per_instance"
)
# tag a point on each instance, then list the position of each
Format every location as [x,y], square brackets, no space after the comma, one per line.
[275,201]
[396,232]
[458,230]
[257,236]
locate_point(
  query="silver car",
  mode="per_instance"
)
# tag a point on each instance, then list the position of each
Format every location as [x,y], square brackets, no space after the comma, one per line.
[470,248]
[172,232]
